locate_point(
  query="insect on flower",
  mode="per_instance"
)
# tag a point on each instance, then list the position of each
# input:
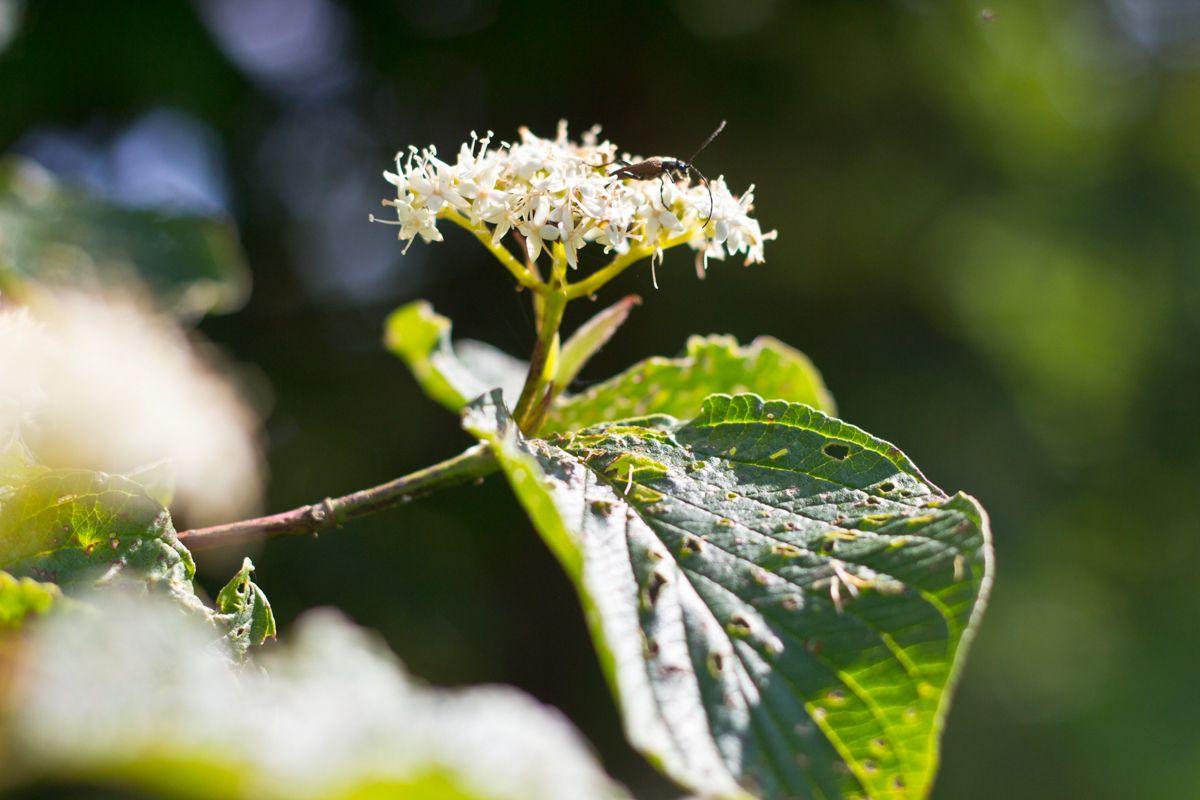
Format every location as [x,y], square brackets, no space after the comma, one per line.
[561,196]
[661,166]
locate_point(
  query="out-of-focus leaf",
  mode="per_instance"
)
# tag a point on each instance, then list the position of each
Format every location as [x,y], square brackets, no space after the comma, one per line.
[420,337]
[245,611]
[23,597]
[58,235]
[676,386]
[492,367]
[158,479]
[331,716]
[782,602]
[80,529]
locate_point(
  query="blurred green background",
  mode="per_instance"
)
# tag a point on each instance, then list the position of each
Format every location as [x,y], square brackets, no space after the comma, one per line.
[988,243]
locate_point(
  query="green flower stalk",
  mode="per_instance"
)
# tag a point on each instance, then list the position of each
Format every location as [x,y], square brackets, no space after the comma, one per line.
[552,198]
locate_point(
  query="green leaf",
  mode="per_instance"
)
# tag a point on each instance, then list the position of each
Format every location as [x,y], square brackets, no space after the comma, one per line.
[23,597]
[677,386]
[134,698]
[82,530]
[79,528]
[245,611]
[158,479]
[590,337]
[452,376]
[55,235]
[782,602]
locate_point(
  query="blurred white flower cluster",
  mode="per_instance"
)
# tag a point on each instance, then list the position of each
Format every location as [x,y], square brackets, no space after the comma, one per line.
[332,714]
[557,191]
[100,382]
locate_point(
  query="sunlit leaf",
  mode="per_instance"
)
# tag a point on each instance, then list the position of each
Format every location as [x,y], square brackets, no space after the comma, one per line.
[782,601]
[59,235]
[587,340]
[330,716]
[453,376]
[245,611]
[676,386]
[80,529]
[23,597]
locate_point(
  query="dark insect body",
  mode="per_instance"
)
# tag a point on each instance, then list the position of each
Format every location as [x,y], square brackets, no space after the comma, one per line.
[662,166]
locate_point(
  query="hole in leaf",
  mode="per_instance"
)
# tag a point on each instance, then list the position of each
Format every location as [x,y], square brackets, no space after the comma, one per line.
[886,486]
[657,582]
[837,451]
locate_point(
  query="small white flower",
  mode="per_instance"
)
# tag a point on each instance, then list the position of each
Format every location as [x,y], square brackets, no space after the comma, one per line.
[555,190]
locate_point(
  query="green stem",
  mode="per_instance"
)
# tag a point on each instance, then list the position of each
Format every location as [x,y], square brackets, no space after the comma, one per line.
[476,462]
[591,283]
[543,363]
[480,232]
[544,360]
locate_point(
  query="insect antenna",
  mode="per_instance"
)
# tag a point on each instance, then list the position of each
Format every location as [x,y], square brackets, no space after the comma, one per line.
[692,167]
[707,142]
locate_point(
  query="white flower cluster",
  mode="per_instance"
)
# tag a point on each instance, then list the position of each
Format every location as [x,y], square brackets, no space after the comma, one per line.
[101,382]
[554,190]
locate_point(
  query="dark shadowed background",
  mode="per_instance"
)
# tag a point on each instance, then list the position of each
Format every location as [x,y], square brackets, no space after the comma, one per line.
[988,243]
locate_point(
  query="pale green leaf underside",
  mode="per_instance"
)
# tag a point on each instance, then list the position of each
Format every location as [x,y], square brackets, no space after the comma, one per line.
[52,234]
[135,697]
[420,337]
[454,375]
[781,600]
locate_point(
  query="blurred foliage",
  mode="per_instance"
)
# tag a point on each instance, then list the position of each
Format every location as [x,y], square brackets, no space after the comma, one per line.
[21,598]
[77,531]
[991,212]
[58,237]
[330,716]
